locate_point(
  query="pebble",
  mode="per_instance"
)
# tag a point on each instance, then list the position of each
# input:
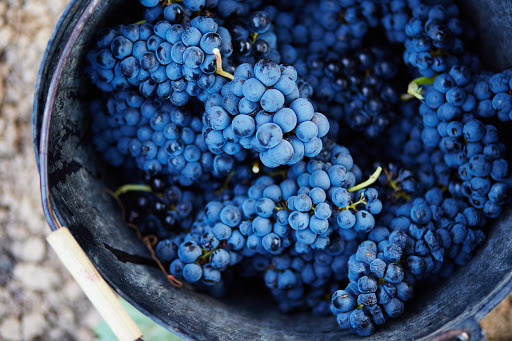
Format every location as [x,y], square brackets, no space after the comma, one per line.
[10,329]
[35,277]
[33,250]
[33,325]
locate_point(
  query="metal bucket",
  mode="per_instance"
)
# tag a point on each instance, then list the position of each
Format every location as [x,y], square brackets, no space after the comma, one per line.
[73,179]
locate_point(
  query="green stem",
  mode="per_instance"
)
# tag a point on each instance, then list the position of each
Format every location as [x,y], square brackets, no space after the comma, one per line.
[219,70]
[353,205]
[397,190]
[226,183]
[414,89]
[206,254]
[132,188]
[368,182]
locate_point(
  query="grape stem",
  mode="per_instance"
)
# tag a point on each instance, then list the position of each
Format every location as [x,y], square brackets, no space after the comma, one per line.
[166,3]
[206,254]
[225,185]
[132,188]
[368,182]
[219,70]
[353,205]
[414,89]
[150,240]
[140,22]
[397,190]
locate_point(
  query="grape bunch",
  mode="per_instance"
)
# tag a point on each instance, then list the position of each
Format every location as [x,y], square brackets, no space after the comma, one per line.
[451,122]
[158,208]
[434,40]
[378,286]
[254,38]
[360,89]
[168,60]
[492,94]
[157,137]
[209,249]
[261,110]
[325,201]
[298,280]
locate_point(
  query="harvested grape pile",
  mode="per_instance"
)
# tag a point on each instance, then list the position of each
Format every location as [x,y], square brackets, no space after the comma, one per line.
[341,152]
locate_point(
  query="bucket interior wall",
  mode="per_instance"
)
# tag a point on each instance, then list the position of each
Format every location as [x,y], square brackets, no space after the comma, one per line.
[78,177]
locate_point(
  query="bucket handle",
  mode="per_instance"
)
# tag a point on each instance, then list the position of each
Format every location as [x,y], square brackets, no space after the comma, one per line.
[61,240]
[466,330]
[93,285]
[453,334]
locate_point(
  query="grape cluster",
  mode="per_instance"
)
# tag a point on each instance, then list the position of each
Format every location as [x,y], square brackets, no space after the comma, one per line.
[324,26]
[492,94]
[209,249]
[360,89]
[164,59]
[157,136]
[211,109]
[298,280]
[271,218]
[450,116]
[425,240]
[378,285]
[161,209]
[435,36]
[325,200]
[261,110]
[254,38]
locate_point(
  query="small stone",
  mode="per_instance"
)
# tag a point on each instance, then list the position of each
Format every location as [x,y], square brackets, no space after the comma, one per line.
[32,250]
[10,329]
[91,319]
[33,325]
[15,230]
[73,292]
[84,334]
[36,277]
[56,334]
[67,318]
[9,305]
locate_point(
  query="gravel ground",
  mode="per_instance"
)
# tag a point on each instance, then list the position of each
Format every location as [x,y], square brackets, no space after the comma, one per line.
[38,299]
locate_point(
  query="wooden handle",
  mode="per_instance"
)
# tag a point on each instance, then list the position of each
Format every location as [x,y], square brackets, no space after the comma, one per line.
[94,286]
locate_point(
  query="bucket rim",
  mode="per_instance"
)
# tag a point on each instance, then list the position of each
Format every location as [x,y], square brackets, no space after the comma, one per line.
[43,108]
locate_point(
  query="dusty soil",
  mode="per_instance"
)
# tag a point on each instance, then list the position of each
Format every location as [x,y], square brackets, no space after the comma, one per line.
[38,299]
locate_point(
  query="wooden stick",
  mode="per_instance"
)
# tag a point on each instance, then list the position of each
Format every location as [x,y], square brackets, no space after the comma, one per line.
[94,286]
